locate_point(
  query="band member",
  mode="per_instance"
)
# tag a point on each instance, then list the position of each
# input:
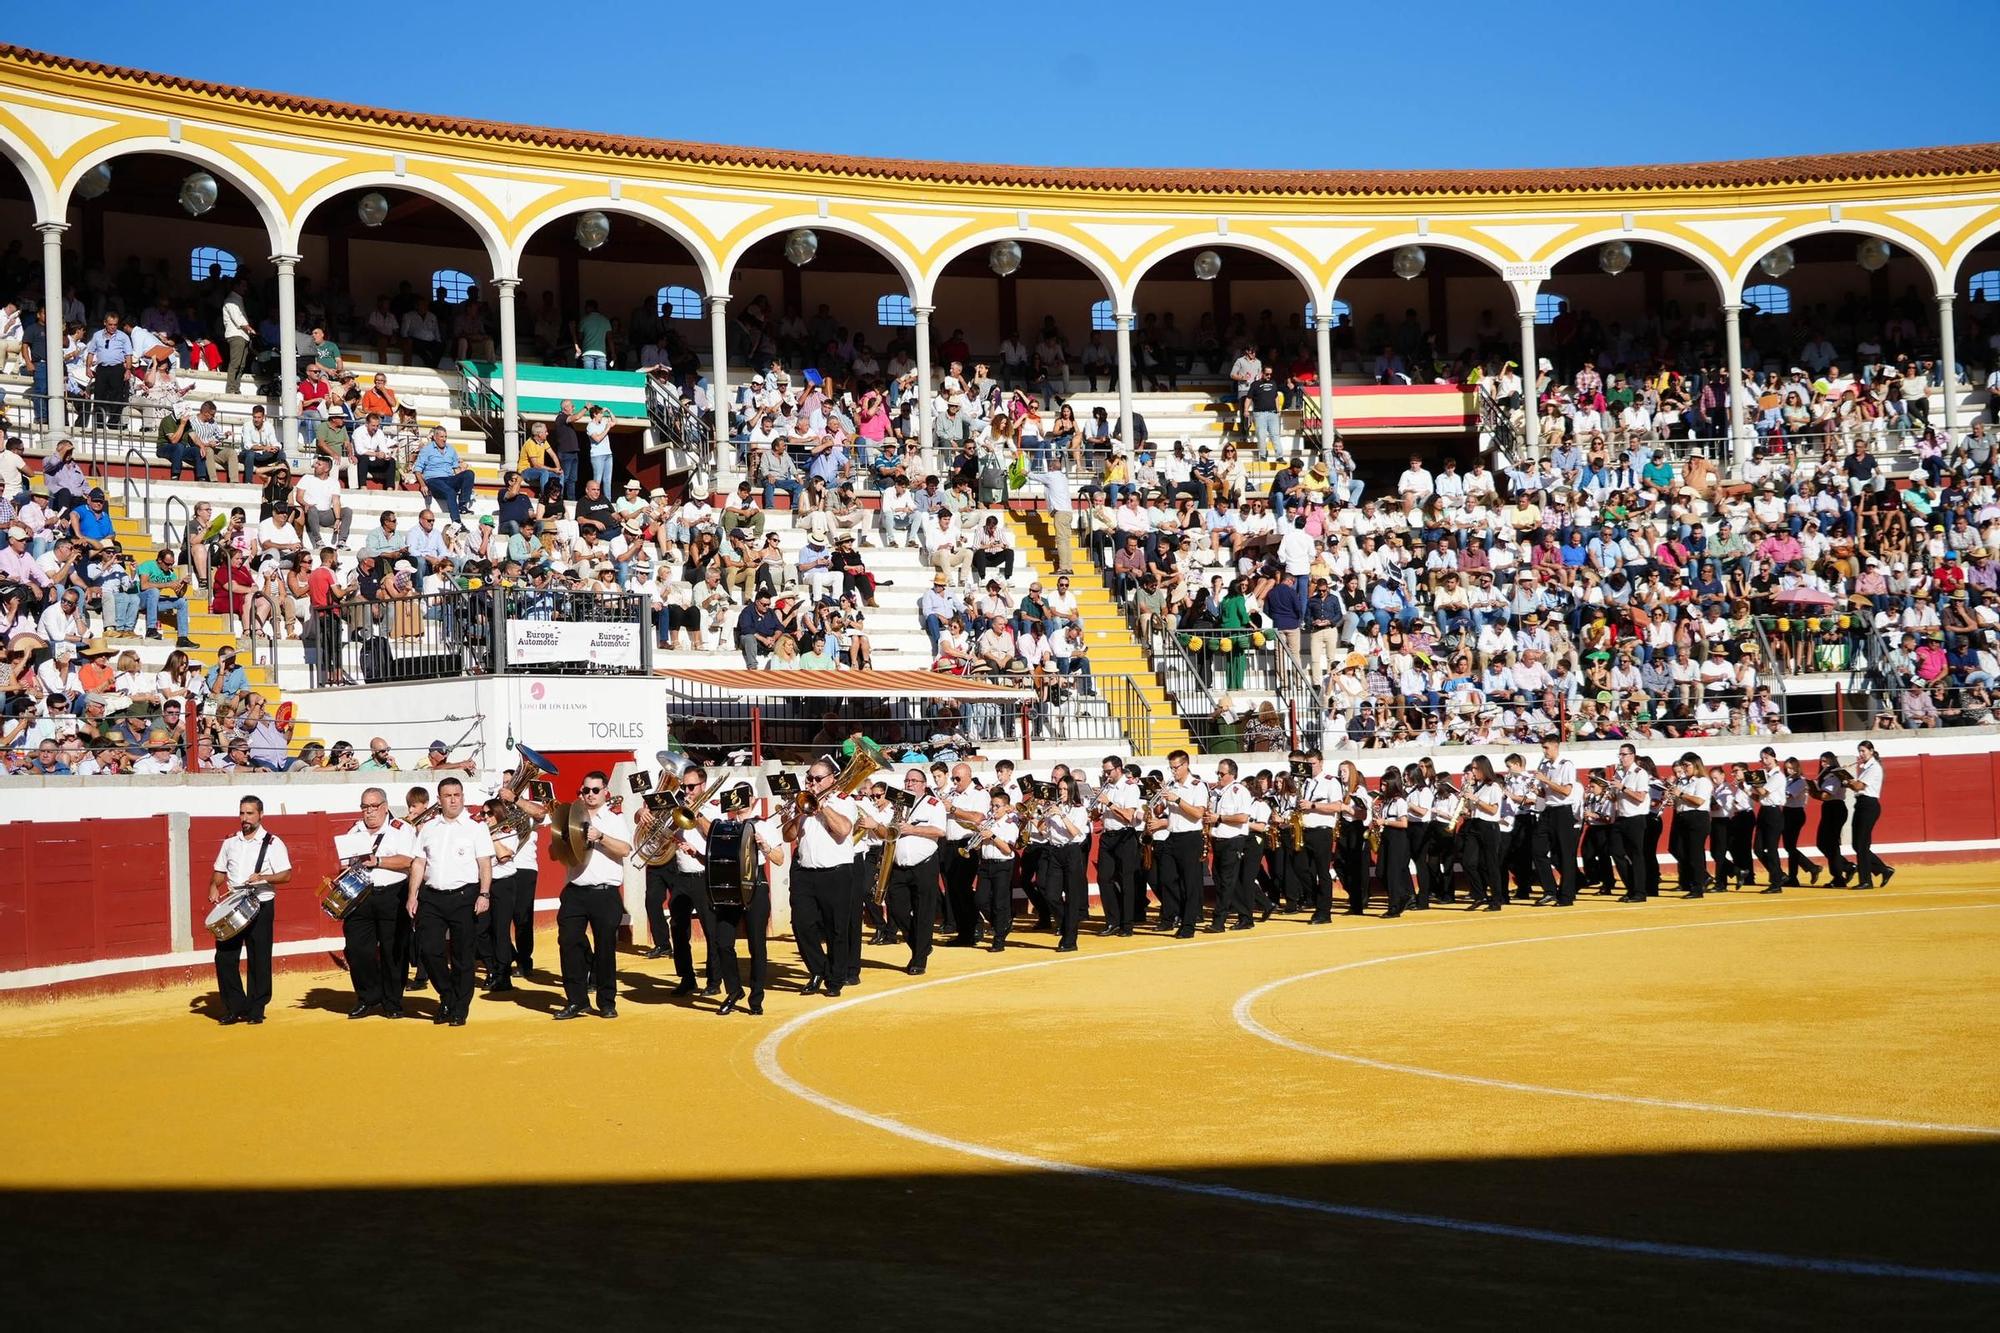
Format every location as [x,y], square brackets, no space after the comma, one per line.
[1689,796]
[370,928]
[592,904]
[1723,800]
[1743,825]
[822,828]
[1796,787]
[1632,805]
[995,843]
[966,805]
[416,804]
[1179,860]
[509,926]
[1484,795]
[1770,818]
[1065,881]
[1312,866]
[1152,849]
[1118,804]
[1392,817]
[1419,798]
[1600,835]
[1866,784]
[1350,838]
[1448,819]
[1258,874]
[1232,847]
[752,921]
[253,858]
[1276,798]
[1656,824]
[1557,796]
[687,900]
[1829,791]
[912,900]
[1517,830]
[877,815]
[450,883]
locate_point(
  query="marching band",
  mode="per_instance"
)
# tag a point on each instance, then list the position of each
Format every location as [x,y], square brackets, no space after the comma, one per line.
[436,886]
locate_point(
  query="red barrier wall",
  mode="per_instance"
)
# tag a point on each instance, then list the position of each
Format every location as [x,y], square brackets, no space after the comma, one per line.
[308,840]
[97,888]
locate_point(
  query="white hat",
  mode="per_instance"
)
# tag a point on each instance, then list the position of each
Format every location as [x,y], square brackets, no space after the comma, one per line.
[18,531]
[406,567]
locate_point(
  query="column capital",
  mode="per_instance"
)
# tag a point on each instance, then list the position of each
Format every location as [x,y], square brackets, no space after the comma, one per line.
[48,229]
[1122,320]
[506,286]
[1733,308]
[285,263]
[716,300]
[923,312]
[1324,324]
[1945,298]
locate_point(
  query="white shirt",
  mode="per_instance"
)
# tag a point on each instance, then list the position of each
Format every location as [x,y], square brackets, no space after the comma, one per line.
[1701,789]
[1235,799]
[373,443]
[451,850]
[928,812]
[397,839]
[693,856]
[1869,775]
[818,848]
[150,765]
[1325,787]
[1001,830]
[1065,826]
[1494,794]
[1124,794]
[971,801]
[1563,773]
[1195,792]
[1633,780]
[601,869]
[237,860]
[317,492]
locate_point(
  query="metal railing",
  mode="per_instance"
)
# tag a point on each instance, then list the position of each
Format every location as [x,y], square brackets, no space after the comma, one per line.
[478,629]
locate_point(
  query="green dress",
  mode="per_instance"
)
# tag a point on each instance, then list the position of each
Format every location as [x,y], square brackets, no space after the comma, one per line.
[1235,626]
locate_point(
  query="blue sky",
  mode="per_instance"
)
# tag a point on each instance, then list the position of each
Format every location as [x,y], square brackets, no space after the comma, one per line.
[1121,82]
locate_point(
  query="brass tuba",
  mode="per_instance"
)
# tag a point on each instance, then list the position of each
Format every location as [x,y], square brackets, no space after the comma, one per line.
[671,817]
[504,807]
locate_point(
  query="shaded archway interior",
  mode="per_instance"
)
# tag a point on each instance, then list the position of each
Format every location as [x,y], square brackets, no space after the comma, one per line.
[1050,287]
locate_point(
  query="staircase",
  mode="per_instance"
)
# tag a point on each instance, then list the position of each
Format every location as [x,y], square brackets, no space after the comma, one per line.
[1108,638]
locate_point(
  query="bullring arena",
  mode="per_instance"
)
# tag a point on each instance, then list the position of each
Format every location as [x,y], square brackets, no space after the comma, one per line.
[1687,1014]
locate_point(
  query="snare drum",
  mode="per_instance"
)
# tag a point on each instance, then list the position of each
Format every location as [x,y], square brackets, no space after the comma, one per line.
[233,915]
[341,895]
[732,862]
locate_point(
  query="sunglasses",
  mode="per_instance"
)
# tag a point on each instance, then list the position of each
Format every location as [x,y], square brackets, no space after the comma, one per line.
[590,791]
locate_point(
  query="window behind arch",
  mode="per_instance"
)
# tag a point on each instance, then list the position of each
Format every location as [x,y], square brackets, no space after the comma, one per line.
[1985,286]
[895,311]
[1340,310]
[204,257]
[1101,318]
[1769,299]
[680,303]
[1549,308]
[452,287]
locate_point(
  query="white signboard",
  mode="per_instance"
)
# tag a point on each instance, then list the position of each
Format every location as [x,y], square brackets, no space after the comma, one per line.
[600,643]
[1526,272]
[590,713]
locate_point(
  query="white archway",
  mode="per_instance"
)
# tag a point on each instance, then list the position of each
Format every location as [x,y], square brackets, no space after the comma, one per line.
[1257,245]
[874,240]
[226,168]
[1901,240]
[1955,270]
[1665,240]
[1055,241]
[466,211]
[637,211]
[41,190]
[1486,255]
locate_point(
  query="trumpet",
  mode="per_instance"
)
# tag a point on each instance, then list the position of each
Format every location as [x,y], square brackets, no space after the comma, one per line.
[430,812]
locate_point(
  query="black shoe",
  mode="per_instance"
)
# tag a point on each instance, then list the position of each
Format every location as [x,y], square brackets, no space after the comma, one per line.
[1213,928]
[392,1012]
[854,978]
[879,937]
[440,1018]
[229,1020]
[813,986]
[1888,873]
[1321,919]
[756,1007]
[1494,906]
[1696,893]
[1065,948]
[998,946]
[569,1011]
[457,1021]
[1775,888]
[1108,930]
[914,969]
[1392,914]
[1813,872]
[685,988]
[833,992]
[728,1006]
[712,989]
[1546,900]
[185,642]
[659,951]
[1184,933]
[254,1020]
[1265,914]
[1865,884]
[498,984]
[609,1010]
[1630,898]
[360,1011]
[1243,925]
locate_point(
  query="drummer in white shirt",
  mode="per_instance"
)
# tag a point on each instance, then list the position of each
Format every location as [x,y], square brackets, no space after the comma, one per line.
[256,860]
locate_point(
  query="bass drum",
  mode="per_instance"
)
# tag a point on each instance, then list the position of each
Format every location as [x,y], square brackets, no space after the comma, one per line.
[732,862]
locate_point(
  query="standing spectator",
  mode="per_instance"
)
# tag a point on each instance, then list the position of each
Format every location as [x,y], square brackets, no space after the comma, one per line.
[105,361]
[238,332]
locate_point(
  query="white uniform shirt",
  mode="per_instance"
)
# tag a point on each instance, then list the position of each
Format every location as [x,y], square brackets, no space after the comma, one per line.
[928,812]
[1417,806]
[1636,782]
[237,860]
[1007,831]
[971,801]
[1124,794]
[1869,775]
[1195,792]
[1322,788]
[1563,773]
[396,838]
[692,857]
[1774,791]
[1235,799]
[600,868]
[1722,801]
[450,850]
[1066,826]
[1494,794]
[818,848]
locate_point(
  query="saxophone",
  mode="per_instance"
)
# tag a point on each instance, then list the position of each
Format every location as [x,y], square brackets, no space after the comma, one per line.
[1297,821]
[900,803]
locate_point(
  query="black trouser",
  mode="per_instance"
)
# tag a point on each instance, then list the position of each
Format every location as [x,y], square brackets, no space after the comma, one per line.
[513,920]
[587,941]
[1770,837]
[1351,855]
[751,922]
[687,903]
[445,935]
[1182,881]
[255,937]
[1742,841]
[1311,870]
[1446,849]
[1484,872]
[1627,849]
[1649,853]
[871,914]
[1232,892]
[370,935]
[1421,855]
[819,920]
[1867,809]
[960,872]
[1689,844]
[1596,847]
[1555,852]
[1832,821]
[1033,857]
[659,888]
[993,895]
[1117,864]
[1395,862]
[912,904]
[1067,887]
[1518,854]
[848,960]
[1795,824]
[112,390]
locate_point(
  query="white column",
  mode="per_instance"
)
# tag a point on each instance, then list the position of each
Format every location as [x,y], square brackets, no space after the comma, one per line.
[1732,337]
[510,382]
[1948,368]
[923,335]
[1531,411]
[1323,339]
[288,349]
[1123,322]
[722,473]
[51,350]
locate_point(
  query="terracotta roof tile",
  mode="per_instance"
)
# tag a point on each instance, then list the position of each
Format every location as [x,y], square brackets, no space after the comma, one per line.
[1958,160]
